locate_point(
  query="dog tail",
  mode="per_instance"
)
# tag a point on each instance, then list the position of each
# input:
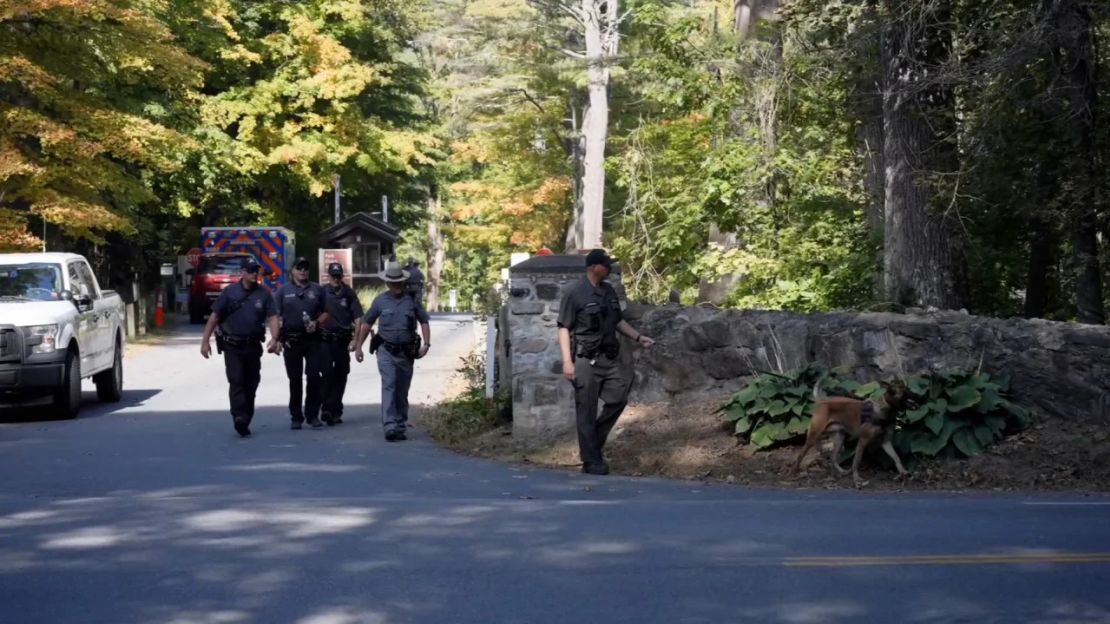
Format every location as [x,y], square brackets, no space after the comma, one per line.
[817,396]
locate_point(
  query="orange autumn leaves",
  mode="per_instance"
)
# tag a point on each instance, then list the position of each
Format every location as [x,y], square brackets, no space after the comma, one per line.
[525,218]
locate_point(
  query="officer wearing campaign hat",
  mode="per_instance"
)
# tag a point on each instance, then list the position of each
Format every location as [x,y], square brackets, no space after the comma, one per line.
[589,320]
[337,336]
[396,345]
[239,317]
[300,304]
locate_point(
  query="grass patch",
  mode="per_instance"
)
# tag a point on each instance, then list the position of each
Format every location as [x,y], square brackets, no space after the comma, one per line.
[367,294]
[469,413]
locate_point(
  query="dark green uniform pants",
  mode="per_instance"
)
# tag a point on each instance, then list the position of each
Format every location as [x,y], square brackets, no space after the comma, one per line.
[602,380]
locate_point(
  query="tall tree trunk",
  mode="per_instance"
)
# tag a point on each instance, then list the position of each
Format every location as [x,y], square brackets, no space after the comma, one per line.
[922,265]
[1075,60]
[437,251]
[869,132]
[742,18]
[601,47]
[747,13]
[575,147]
[869,110]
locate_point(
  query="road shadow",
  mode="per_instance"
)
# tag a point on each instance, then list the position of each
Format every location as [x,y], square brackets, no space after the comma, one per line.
[198,525]
[91,408]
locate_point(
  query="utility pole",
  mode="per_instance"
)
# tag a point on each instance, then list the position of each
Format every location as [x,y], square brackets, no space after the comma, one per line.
[385,208]
[337,212]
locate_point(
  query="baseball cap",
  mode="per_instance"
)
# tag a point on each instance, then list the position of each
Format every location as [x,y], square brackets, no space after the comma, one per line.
[250,265]
[302,263]
[598,256]
[335,269]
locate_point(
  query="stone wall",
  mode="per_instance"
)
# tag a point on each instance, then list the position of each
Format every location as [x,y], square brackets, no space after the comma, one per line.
[1061,369]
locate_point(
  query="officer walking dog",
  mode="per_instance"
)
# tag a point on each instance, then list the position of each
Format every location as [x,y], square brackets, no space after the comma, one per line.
[589,319]
[300,304]
[239,317]
[337,336]
[396,345]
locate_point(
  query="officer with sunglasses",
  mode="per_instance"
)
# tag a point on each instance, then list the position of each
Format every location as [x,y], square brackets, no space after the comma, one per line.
[238,318]
[300,304]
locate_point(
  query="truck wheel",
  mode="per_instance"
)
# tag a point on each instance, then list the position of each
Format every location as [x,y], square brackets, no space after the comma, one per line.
[109,383]
[67,398]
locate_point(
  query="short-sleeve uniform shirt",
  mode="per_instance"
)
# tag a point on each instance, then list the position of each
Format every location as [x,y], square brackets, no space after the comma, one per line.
[342,306]
[397,317]
[251,310]
[591,313]
[293,301]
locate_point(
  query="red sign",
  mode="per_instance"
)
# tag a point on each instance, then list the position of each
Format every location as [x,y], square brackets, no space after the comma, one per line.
[193,257]
[343,257]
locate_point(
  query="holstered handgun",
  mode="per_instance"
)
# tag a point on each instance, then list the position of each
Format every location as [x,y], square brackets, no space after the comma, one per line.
[376,342]
[414,349]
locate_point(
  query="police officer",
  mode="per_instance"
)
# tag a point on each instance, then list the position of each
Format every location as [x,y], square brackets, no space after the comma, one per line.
[589,319]
[415,285]
[338,331]
[396,346]
[239,317]
[300,304]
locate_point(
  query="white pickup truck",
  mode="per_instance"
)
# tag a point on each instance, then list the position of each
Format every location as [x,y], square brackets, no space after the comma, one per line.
[57,327]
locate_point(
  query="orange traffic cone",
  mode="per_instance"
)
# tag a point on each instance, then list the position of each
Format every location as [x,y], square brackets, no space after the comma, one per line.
[159,311]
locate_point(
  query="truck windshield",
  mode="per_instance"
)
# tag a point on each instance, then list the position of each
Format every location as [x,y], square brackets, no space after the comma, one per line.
[220,264]
[35,281]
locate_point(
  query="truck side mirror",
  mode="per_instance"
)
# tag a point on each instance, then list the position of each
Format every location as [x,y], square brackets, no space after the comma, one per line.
[83,302]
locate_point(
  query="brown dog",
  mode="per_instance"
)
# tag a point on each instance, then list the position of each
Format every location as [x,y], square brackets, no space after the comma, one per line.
[860,419]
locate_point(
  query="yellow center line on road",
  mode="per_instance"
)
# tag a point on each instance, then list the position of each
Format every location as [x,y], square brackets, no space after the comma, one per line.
[949,560]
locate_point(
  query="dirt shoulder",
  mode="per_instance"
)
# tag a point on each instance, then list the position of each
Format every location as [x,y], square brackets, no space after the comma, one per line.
[691,442]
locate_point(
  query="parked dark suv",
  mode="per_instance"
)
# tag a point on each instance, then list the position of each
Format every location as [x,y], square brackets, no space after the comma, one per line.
[214,272]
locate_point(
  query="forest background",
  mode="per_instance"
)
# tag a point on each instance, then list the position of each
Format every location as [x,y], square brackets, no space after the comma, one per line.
[786,154]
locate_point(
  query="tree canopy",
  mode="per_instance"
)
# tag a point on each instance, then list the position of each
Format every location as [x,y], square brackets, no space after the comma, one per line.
[799,154]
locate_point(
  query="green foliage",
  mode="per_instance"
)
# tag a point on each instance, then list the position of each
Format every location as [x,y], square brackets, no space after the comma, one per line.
[950,413]
[775,409]
[955,413]
[367,294]
[469,413]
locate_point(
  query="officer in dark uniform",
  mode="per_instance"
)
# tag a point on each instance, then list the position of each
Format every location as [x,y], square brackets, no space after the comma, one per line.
[337,335]
[239,317]
[415,286]
[396,345]
[589,319]
[300,304]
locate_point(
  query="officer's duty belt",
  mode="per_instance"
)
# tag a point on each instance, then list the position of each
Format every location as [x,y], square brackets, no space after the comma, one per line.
[292,338]
[235,342]
[337,336]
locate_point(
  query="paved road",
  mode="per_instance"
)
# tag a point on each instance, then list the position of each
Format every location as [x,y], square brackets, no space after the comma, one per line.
[154,511]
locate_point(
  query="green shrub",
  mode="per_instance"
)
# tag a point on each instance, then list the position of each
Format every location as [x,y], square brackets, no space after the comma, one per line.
[954,413]
[469,413]
[774,409]
[367,294]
